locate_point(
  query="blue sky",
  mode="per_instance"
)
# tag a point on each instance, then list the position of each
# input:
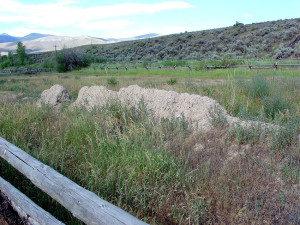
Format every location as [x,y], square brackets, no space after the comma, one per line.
[127,18]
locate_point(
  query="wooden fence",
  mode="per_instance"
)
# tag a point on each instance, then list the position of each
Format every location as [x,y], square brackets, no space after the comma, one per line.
[83,204]
[274,66]
[26,71]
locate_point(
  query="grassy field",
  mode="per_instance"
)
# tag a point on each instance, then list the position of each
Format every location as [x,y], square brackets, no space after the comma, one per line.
[165,173]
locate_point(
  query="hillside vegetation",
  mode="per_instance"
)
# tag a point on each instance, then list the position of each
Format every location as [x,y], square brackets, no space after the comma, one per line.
[268,39]
[231,45]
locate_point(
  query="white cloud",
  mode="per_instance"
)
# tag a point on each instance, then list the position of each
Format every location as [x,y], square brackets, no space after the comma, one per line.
[68,13]
[246,15]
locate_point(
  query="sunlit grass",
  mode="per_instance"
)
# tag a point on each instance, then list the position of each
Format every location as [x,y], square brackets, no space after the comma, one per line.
[165,173]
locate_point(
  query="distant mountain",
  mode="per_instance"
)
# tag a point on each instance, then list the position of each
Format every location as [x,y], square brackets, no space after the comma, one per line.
[49,43]
[112,39]
[7,38]
[33,36]
[4,38]
[150,35]
[146,36]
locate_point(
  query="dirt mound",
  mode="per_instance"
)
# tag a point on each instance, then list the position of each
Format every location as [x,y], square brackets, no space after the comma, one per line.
[160,103]
[54,96]
[95,96]
[165,104]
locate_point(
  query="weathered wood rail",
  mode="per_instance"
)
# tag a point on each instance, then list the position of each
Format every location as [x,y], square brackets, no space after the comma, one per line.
[26,71]
[207,67]
[26,208]
[83,204]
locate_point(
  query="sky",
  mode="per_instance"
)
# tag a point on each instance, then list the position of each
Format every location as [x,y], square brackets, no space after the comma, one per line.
[129,18]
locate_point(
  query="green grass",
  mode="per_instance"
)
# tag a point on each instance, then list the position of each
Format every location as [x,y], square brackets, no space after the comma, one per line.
[165,172]
[172,81]
[112,81]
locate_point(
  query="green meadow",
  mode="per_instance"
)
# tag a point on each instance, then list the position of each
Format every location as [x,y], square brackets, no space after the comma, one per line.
[166,172]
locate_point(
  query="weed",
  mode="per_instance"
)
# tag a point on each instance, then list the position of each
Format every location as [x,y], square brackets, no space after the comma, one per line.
[217,118]
[245,134]
[172,81]
[200,209]
[285,135]
[112,81]
[150,84]
[191,87]
[281,198]
[3,81]
[274,105]
[258,87]
[48,82]
[291,171]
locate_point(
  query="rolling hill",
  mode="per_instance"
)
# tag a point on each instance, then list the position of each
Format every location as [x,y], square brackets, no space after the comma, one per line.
[267,39]
[48,43]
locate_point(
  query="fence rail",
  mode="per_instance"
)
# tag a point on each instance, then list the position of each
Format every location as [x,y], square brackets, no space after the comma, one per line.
[26,71]
[274,66]
[187,68]
[24,206]
[83,204]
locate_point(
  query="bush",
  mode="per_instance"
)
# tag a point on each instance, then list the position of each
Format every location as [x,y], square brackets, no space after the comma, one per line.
[112,81]
[259,87]
[283,52]
[274,105]
[47,64]
[245,135]
[285,136]
[70,59]
[217,118]
[176,63]
[297,49]
[172,81]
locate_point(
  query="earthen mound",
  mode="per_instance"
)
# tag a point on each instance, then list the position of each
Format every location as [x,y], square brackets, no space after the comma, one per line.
[95,96]
[160,103]
[54,96]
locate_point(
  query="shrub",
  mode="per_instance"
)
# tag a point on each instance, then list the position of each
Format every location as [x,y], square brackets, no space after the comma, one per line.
[47,64]
[2,81]
[285,135]
[258,87]
[69,59]
[297,49]
[217,118]
[245,135]
[273,105]
[283,52]
[112,81]
[172,81]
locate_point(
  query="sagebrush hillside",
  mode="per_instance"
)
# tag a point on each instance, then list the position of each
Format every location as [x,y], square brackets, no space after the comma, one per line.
[268,39]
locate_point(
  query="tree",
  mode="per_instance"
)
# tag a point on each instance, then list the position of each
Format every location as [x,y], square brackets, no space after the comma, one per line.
[10,59]
[69,59]
[21,54]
